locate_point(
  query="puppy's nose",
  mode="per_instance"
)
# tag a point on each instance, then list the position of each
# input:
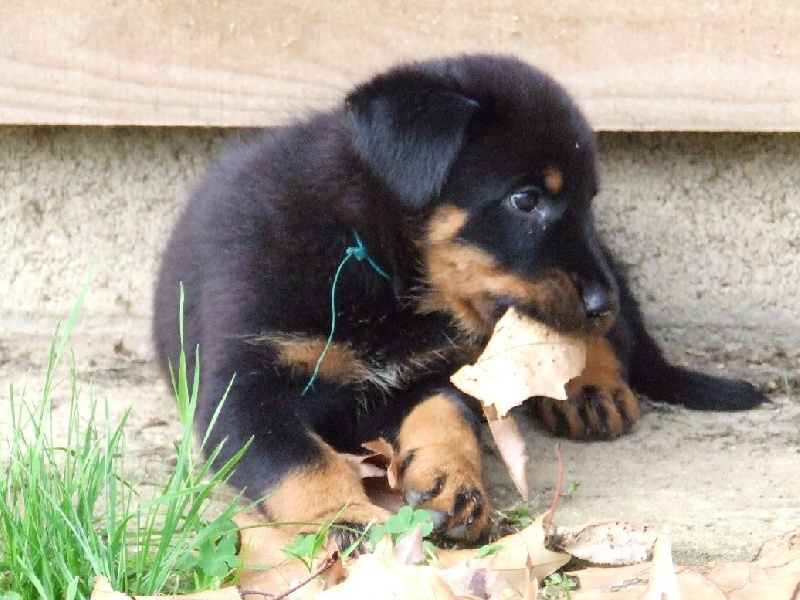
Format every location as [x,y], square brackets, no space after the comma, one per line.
[599,303]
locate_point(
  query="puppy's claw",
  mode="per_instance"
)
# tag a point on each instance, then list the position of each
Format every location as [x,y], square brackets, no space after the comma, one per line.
[455,498]
[438,519]
[414,498]
[458,532]
[590,413]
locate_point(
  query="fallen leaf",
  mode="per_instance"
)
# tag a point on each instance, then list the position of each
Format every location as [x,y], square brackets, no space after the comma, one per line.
[511,446]
[378,471]
[523,358]
[474,579]
[265,567]
[774,574]
[380,576]
[517,552]
[663,583]
[382,448]
[103,591]
[612,543]
[408,550]
[532,584]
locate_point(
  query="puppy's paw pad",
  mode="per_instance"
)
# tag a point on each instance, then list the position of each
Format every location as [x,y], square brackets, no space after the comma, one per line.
[590,413]
[443,482]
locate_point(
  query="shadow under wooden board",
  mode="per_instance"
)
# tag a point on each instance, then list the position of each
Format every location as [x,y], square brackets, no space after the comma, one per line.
[666,65]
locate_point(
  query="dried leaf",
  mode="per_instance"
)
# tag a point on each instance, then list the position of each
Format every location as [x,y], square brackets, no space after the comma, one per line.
[379,473]
[523,358]
[266,568]
[613,543]
[408,550]
[517,551]
[361,466]
[663,582]
[532,587]
[382,448]
[103,591]
[511,446]
[774,574]
[378,576]
[474,579]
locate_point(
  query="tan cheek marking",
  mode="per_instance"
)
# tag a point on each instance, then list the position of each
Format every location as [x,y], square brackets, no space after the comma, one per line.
[463,278]
[445,224]
[553,180]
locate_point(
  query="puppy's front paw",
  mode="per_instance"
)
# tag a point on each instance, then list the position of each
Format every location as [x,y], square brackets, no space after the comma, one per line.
[589,413]
[599,404]
[444,482]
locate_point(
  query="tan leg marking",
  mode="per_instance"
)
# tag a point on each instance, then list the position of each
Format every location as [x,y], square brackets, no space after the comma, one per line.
[319,493]
[600,404]
[440,460]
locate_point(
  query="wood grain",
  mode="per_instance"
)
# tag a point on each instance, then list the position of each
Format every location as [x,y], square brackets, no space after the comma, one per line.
[666,65]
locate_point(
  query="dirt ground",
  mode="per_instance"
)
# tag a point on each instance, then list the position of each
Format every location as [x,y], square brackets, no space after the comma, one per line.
[722,484]
[707,226]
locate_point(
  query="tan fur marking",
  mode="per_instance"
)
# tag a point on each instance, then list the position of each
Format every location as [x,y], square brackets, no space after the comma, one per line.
[318,493]
[553,180]
[445,224]
[438,422]
[444,453]
[463,279]
[602,368]
[342,364]
[611,413]
[339,364]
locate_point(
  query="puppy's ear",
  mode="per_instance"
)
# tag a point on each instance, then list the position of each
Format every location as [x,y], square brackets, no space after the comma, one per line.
[408,127]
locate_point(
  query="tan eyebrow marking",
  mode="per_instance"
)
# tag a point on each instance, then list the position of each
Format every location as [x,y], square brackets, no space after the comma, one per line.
[553,180]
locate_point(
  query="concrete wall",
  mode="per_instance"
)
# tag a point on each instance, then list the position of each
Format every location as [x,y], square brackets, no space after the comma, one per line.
[708,225]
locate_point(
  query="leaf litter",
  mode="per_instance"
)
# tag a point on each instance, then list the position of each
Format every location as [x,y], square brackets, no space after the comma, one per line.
[522,360]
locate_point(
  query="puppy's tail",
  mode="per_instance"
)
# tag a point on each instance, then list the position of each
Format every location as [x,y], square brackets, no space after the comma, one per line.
[652,375]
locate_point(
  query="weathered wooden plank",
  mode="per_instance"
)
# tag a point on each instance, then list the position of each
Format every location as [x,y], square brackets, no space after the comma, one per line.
[665,65]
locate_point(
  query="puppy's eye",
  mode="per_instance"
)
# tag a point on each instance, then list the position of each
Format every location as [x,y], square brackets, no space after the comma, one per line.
[525,200]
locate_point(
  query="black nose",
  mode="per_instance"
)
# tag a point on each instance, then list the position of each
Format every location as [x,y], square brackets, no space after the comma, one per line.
[599,302]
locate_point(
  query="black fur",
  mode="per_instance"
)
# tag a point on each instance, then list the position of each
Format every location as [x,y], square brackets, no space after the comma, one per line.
[263,234]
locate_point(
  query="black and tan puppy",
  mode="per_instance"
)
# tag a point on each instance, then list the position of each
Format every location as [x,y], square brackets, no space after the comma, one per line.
[466,186]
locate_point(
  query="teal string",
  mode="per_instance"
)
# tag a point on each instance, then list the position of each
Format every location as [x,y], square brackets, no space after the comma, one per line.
[359,252]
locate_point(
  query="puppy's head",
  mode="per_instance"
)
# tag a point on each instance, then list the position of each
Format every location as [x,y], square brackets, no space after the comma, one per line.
[497,161]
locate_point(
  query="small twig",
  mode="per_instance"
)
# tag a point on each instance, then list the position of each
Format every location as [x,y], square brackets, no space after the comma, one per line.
[548,520]
[326,564]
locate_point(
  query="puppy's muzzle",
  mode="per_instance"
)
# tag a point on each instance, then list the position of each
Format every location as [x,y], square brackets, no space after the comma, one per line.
[600,305]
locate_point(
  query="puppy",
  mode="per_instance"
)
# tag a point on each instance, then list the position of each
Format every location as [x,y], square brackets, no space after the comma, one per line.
[337,271]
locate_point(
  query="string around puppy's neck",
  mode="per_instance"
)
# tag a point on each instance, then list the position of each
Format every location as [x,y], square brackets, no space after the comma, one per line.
[359,252]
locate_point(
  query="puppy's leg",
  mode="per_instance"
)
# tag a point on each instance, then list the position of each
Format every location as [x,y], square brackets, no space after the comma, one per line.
[297,477]
[327,490]
[651,374]
[599,403]
[440,467]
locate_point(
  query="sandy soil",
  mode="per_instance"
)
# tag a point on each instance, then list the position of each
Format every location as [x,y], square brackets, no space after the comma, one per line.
[722,483]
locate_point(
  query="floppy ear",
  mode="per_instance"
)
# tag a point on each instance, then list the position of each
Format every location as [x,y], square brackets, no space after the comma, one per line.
[408,127]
